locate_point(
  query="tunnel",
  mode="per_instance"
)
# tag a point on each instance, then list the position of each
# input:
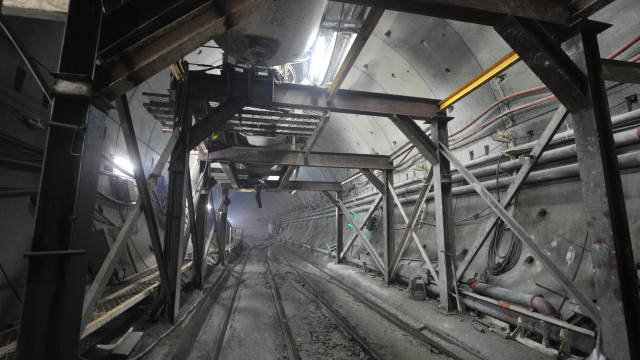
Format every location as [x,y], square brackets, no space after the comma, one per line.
[313,179]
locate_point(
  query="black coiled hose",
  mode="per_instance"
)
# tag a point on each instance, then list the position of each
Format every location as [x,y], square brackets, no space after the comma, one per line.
[496,267]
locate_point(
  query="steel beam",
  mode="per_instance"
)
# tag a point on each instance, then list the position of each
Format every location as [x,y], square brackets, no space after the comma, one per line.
[417,137]
[546,59]
[519,231]
[404,243]
[620,71]
[181,36]
[388,224]
[313,139]
[519,180]
[213,121]
[369,24]
[445,232]
[296,158]
[126,124]
[52,305]
[609,235]
[260,91]
[291,186]
[366,218]
[415,237]
[373,179]
[201,243]
[174,228]
[214,228]
[230,171]
[284,179]
[350,219]
[119,245]
[222,239]
[339,227]
[484,12]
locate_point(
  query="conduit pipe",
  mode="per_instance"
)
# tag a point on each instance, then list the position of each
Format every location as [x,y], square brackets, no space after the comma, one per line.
[534,302]
[622,139]
[578,341]
[625,161]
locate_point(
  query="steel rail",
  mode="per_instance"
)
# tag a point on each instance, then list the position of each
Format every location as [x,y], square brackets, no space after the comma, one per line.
[227,317]
[289,340]
[314,293]
[386,314]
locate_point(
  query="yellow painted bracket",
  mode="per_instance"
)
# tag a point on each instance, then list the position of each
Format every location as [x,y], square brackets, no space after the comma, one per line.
[491,72]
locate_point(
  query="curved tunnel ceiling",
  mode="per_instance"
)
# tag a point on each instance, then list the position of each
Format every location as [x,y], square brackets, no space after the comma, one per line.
[427,57]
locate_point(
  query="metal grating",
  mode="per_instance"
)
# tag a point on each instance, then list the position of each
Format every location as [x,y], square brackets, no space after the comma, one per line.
[105,306]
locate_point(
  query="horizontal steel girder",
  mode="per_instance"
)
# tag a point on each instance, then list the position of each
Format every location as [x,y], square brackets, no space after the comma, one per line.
[291,186]
[296,158]
[484,12]
[262,92]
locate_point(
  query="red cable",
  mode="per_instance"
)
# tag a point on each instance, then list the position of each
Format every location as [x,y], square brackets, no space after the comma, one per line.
[616,53]
[495,104]
[625,47]
[503,114]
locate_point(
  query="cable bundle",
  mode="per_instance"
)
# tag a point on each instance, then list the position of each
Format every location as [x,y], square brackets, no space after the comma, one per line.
[497,264]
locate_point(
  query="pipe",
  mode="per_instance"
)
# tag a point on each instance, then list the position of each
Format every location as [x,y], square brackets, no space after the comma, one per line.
[621,139]
[578,341]
[535,302]
[625,161]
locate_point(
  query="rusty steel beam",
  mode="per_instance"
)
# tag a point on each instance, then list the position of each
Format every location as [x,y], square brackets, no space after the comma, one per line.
[296,158]
[230,171]
[552,13]
[620,71]
[183,35]
[260,91]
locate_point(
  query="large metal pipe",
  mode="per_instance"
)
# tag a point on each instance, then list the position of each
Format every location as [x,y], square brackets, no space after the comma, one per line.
[625,161]
[622,139]
[536,302]
[577,340]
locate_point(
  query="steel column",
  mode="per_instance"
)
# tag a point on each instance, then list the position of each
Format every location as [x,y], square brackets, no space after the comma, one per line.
[388,221]
[222,239]
[129,134]
[444,216]
[52,308]
[339,228]
[201,243]
[607,223]
[178,176]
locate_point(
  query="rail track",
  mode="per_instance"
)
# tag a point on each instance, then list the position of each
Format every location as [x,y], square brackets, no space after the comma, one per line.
[384,313]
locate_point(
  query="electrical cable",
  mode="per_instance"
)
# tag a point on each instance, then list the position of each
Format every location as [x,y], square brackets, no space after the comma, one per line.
[110,199]
[10,284]
[511,258]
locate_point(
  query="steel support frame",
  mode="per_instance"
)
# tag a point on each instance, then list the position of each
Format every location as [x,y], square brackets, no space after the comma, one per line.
[92,296]
[372,209]
[170,42]
[222,239]
[52,307]
[445,231]
[388,224]
[232,174]
[417,137]
[576,64]
[404,243]
[339,227]
[519,231]
[296,158]
[178,178]
[261,92]
[607,222]
[530,160]
[126,124]
[350,219]
[284,178]
[201,236]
